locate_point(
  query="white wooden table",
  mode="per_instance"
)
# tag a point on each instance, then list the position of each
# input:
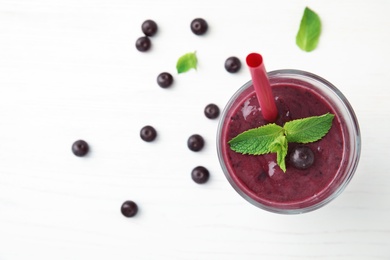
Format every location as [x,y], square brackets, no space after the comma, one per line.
[69,70]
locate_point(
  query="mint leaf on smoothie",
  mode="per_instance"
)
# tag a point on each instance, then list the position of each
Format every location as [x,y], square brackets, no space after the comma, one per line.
[186,62]
[309,31]
[272,138]
[256,141]
[309,129]
[279,146]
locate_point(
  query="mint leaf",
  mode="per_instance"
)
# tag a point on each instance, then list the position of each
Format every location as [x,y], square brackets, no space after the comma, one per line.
[309,129]
[309,31]
[279,146]
[272,138]
[186,62]
[256,141]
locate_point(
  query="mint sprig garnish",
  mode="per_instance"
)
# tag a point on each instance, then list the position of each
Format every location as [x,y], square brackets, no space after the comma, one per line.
[272,138]
[186,62]
[309,31]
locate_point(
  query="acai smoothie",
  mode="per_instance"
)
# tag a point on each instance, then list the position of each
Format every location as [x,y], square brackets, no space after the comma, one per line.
[300,188]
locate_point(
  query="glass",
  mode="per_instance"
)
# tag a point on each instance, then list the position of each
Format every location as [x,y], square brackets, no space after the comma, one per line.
[350,139]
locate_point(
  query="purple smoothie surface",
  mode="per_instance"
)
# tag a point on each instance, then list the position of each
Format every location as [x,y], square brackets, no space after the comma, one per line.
[258,176]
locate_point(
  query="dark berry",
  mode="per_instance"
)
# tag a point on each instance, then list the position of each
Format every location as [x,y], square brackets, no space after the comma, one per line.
[195,142]
[302,157]
[200,175]
[143,43]
[148,133]
[199,26]
[164,80]
[232,64]
[80,148]
[129,209]
[211,111]
[149,27]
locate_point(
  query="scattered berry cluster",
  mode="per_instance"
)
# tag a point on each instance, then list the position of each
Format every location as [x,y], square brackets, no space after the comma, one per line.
[149,28]
[195,142]
[198,26]
[148,133]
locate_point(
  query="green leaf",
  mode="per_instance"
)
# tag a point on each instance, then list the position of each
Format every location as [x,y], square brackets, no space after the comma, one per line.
[272,138]
[309,31]
[279,146]
[186,62]
[256,141]
[309,129]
